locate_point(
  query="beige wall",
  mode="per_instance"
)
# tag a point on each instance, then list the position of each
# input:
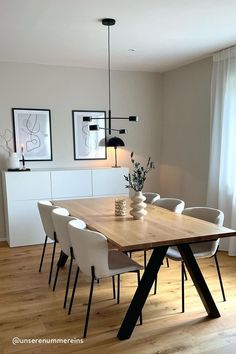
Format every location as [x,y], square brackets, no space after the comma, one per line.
[62,89]
[186,132]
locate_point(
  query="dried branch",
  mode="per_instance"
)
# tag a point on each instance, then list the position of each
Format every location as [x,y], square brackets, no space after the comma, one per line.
[6,140]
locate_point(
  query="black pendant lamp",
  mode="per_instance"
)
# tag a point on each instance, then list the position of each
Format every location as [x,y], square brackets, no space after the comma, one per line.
[115,142]
[109,22]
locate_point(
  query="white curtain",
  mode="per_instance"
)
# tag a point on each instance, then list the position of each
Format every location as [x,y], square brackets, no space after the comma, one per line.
[222,172]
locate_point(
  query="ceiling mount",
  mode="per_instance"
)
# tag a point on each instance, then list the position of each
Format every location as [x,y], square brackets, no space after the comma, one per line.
[108,21]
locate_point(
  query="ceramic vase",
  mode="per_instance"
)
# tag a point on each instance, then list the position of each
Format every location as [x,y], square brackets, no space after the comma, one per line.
[138,206]
[12,161]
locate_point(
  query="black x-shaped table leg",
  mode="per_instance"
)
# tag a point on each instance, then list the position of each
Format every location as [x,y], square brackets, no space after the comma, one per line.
[148,278]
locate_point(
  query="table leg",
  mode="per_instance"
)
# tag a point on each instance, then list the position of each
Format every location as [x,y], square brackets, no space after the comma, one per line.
[198,280]
[142,292]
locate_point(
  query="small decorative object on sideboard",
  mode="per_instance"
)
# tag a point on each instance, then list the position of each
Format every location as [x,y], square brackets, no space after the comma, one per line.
[136,180]
[23,159]
[22,156]
[12,161]
[120,207]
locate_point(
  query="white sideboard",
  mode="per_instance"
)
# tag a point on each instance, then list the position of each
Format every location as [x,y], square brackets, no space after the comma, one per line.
[22,190]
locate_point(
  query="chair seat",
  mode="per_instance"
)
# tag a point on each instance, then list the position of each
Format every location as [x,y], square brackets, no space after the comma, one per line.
[120,263]
[200,250]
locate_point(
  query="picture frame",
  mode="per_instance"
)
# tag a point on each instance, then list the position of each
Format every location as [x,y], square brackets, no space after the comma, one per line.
[32,133]
[89,145]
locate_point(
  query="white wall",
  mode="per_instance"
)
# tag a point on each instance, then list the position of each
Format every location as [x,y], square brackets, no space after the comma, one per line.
[186,132]
[62,89]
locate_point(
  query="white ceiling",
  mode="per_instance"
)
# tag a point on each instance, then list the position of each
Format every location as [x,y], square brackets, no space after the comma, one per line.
[164,33]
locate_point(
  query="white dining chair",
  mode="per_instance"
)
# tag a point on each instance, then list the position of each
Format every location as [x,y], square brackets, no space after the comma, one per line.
[60,218]
[45,208]
[172,204]
[151,197]
[95,260]
[175,205]
[204,249]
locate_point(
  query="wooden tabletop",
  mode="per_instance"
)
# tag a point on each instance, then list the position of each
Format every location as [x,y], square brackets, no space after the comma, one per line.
[158,228]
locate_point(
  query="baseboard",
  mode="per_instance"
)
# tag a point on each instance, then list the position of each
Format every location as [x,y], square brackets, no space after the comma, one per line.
[3,239]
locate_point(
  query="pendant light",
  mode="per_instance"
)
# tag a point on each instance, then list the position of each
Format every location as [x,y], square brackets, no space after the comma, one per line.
[109,22]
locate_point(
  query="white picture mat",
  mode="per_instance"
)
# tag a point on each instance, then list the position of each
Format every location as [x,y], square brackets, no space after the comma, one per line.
[89,144]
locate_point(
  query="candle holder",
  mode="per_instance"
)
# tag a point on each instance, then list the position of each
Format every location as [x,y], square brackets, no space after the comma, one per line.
[23,160]
[120,207]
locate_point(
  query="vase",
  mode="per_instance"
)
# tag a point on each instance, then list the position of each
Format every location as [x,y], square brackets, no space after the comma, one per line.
[138,206]
[12,161]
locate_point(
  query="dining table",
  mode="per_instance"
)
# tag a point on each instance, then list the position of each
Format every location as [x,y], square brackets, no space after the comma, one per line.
[158,230]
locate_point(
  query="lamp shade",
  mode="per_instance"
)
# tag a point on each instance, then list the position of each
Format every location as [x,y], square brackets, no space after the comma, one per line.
[115,142]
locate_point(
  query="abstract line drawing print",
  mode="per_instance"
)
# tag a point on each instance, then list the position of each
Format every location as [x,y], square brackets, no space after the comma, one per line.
[91,142]
[86,136]
[32,129]
[32,132]
[89,145]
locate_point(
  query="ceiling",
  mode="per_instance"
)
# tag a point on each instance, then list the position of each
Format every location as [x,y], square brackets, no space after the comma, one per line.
[165,34]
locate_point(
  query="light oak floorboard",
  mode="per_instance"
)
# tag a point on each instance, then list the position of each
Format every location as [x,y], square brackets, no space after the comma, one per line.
[29,309]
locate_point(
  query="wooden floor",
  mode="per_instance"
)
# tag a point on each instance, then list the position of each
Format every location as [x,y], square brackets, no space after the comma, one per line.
[29,309]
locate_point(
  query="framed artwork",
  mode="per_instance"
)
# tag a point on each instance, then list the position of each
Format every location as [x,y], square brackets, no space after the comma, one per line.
[32,133]
[89,145]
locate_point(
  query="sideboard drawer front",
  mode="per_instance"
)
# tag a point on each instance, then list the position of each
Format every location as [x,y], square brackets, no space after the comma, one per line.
[28,185]
[71,184]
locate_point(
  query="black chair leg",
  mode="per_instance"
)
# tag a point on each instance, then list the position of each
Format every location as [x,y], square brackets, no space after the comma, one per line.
[56,276]
[89,305]
[42,257]
[73,291]
[141,316]
[145,258]
[185,273]
[167,263]
[68,283]
[114,287]
[118,288]
[52,260]
[219,276]
[182,285]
